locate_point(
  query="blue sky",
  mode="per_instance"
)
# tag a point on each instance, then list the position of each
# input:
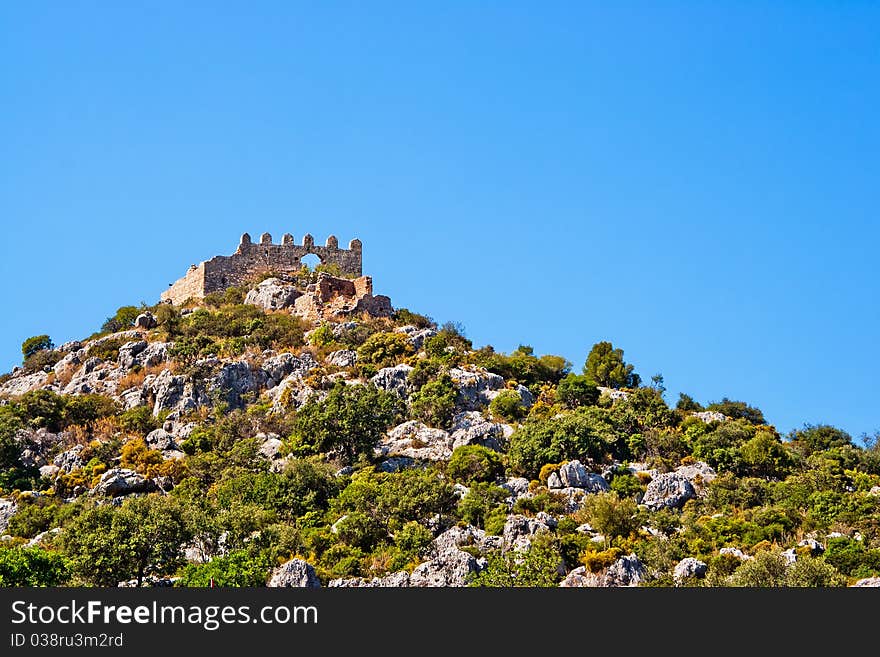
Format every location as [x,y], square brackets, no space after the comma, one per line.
[696,182]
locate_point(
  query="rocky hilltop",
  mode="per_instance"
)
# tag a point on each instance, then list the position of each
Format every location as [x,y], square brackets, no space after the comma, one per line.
[297,430]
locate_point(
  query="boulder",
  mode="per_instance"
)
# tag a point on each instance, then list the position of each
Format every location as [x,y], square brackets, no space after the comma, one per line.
[145,321]
[451,568]
[471,428]
[872,582]
[688,568]
[235,380]
[474,387]
[270,446]
[815,547]
[416,440]
[129,351]
[49,471]
[161,440]
[625,572]
[396,464]
[417,336]
[18,385]
[394,580]
[613,393]
[710,416]
[272,294]
[669,490]
[875,490]
[574,475]
[698,473]
[122,481]
[519,530]
[734,553]
[517,487]
[343,358]
[393,379]
[8,508]
[295,573]
[70,460]
[278,367]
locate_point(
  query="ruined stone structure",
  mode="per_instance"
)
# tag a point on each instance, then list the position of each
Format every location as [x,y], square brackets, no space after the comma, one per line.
[252,259]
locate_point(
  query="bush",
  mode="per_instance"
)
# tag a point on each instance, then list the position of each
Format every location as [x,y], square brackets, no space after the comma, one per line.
[813,573]
[524,367]
[34,344]
[575,391]
[582,434]
[139,420]
[123,319]
[473,463]
[596,562]
[405,317]
[482,501]
[41,361]
[384,349]
[605,367]
[737,410]
[347,423]
[541,565]
[508,405]
[107,349]
[31,567]
[238,568]
[612,516]
[434,402]
[687,404]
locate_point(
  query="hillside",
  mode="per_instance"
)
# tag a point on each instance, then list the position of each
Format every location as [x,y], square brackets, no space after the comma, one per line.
[299,431]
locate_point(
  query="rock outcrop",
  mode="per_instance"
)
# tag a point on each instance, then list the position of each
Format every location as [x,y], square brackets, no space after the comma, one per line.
[295,573]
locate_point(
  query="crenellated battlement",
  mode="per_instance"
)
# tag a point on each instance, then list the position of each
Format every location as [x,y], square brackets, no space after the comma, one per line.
[254,258]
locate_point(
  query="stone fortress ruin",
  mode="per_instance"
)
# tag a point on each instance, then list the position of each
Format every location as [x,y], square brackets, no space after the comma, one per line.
[252,259]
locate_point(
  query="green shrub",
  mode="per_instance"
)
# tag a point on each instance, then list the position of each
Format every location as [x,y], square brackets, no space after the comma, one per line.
[34,344]
[139,420]
[41,360]
[473,463]
[434,402]
[322,336]
[384,349]
[575,391]
[347,423]
[107,349]
[540,566]
[524,367]
[480,502]
[32,567]
[508,405]
[405,317]
[613,516]
[123,319]
[238,568]
[738,410]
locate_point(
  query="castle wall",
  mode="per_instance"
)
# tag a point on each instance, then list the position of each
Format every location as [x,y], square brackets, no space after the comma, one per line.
[252,259]
[191,286]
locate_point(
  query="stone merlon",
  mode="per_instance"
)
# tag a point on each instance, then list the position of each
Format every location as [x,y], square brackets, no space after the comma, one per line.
[253,259]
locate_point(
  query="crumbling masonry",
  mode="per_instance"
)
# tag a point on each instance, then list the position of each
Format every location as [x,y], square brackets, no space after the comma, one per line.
[251,260]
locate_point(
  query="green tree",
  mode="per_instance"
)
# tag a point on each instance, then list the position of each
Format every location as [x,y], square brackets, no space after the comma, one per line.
[482,501]
[813,573]
[107,545]
[21,566]
[686,403]
[542,565]
[765,456]
[34,344]
[605,367]
[384,349]
[767,569]
[121,320]
[347,423]
[737,410]
[508,405]
[238,568]
[471,463]
[613,516]
[818,438]
[575,391]
[434,402]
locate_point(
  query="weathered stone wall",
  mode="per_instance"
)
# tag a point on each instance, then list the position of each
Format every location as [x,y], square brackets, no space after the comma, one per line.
[252,259]
[191,286]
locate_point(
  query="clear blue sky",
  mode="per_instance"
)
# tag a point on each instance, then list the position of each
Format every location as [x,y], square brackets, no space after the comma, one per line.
[696,181]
